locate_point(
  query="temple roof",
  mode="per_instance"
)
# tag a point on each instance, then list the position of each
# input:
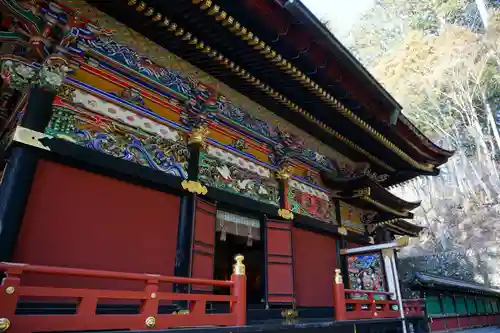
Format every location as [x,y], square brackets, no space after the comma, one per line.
[364,192]
[419,279]
[401,227]
[232,41]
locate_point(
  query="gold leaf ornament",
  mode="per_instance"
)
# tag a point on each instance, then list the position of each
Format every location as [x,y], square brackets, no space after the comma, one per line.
[286,214]
[194,187]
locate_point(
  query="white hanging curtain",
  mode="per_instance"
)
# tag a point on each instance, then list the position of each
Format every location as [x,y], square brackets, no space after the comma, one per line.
[238,225]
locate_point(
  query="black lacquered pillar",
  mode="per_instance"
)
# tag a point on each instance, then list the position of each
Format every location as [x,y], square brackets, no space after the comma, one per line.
[20,171]
[186,220]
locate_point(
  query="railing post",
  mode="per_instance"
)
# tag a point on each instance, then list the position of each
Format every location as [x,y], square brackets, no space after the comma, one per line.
[372,306]
[239,290]
[9,290]
[149,308]
[339,297]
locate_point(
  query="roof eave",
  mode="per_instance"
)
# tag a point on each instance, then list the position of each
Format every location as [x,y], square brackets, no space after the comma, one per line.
[300,11]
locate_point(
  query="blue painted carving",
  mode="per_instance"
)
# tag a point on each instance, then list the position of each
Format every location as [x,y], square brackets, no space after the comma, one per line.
[154,152]
[144,66]
[200,106]
[243,118]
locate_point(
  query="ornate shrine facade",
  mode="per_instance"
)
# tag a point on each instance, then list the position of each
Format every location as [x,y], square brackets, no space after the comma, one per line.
[209,132]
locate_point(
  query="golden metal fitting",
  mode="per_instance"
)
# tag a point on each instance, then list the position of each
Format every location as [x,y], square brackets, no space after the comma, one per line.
[194,187]
[198,135]
[286,214]
[239,266]
[342,231]
[338,276]
[4,324]
[150,322]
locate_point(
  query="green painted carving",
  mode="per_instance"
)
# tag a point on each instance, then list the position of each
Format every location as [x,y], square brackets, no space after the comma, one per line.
[19,73]
[119,141]
[216,173]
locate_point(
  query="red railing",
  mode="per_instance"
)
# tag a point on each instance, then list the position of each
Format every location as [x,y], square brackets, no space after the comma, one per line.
[413,307]
[347,307]
[86,318]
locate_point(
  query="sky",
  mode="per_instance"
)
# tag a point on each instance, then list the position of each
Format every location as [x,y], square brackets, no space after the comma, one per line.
[341,13]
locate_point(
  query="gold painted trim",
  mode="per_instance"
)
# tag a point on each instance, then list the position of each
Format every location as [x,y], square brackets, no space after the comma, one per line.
[384,207]
[267,89]
[390,224]
[308,83]
[397,228]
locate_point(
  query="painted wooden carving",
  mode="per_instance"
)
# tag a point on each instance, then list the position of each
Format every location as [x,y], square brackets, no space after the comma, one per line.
[134,62]
[351,218]
[118,139]
[224,170]
[185,89]
[123,122]
[118,109]
[366,273]
[310,201]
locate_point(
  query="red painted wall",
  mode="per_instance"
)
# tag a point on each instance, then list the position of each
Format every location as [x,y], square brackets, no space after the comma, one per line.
[315,259]
[79,219]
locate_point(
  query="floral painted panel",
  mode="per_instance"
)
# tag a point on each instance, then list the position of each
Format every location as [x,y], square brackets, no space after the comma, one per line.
[115,139]
[309,201]
[351,218]
[226,171]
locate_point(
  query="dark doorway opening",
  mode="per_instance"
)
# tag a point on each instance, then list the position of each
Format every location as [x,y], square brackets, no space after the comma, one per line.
[225,250]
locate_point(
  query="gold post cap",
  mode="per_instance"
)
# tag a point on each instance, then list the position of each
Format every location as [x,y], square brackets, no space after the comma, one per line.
[239,266]
[4,324]
[338,276]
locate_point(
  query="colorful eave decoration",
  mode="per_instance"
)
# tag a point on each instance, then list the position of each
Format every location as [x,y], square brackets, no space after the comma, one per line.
[210,8]
[236,28]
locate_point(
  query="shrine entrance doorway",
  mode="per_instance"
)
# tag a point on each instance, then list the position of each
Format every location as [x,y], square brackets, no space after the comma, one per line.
[237,234]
